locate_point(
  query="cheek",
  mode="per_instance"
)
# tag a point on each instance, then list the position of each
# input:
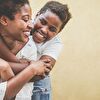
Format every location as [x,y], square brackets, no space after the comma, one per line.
[23,25]
[37,25]
[51,35]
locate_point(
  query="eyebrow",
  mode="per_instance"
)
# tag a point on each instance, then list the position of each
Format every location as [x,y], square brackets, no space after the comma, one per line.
[43,20]
[26,16]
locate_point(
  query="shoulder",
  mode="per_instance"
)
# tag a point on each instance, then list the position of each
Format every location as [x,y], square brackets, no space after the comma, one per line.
[54,41]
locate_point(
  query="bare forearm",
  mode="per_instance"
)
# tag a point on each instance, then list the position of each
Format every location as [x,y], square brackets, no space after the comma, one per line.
[15,84]
[18,67]
[6,54]
[6,72]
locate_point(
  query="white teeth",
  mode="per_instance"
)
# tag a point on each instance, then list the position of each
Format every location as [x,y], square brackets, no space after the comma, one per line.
[40,35]
[27,33]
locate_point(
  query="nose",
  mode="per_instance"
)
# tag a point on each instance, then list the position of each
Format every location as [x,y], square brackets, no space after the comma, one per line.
[44,29]
[30,24]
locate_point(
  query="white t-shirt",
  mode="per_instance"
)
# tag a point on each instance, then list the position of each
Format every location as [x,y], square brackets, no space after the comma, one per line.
[29,51]
[32,51]
[3,86]
[51,48]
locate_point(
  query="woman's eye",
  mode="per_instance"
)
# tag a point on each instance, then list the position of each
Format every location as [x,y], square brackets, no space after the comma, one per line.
[26,20]
[43,22]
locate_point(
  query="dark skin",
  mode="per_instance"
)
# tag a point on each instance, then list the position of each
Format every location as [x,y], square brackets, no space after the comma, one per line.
[40,26]
[6,54]
[18,46]
[9,55]
[3,50]
[18,65]
[52,62]
[16,29]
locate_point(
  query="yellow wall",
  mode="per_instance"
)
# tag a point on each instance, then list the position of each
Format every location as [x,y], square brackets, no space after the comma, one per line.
[76,75]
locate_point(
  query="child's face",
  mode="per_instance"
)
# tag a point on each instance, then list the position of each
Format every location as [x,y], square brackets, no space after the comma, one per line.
[46,26]
[20,27]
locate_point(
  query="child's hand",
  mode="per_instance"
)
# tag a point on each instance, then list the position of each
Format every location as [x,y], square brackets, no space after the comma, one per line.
[39,67]
[48,65]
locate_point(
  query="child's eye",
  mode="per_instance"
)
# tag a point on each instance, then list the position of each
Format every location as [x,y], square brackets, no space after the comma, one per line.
[43,22]
[52,29]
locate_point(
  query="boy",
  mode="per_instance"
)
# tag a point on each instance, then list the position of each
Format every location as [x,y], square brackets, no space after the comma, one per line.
[50,20]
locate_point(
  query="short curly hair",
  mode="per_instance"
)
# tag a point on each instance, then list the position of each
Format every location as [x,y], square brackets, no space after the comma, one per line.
[61,10]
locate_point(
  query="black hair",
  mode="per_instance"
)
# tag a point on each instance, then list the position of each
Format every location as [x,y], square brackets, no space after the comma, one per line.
[9,8]
[61,10]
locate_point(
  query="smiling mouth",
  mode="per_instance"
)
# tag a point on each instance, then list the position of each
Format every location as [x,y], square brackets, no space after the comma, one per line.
[41,34]
[27,33]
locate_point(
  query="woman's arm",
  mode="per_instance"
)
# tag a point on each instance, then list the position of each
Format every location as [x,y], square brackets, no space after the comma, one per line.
[16,83]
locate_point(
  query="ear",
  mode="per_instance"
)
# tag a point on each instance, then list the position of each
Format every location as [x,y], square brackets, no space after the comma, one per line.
[3,20]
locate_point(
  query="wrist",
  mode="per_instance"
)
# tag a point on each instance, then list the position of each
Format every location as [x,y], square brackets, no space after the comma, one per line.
[33,69]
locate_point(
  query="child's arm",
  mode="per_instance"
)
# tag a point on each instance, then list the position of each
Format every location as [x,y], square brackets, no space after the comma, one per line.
[16,83]
[16,65]
[52,50]
[51,61]
[6,54]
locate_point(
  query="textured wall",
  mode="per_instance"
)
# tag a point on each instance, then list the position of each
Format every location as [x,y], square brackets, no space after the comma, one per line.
[76,75]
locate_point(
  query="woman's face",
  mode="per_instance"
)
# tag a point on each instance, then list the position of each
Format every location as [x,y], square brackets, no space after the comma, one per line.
[20,27]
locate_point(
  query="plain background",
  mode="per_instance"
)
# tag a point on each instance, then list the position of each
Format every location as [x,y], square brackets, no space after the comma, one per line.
[76,75]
